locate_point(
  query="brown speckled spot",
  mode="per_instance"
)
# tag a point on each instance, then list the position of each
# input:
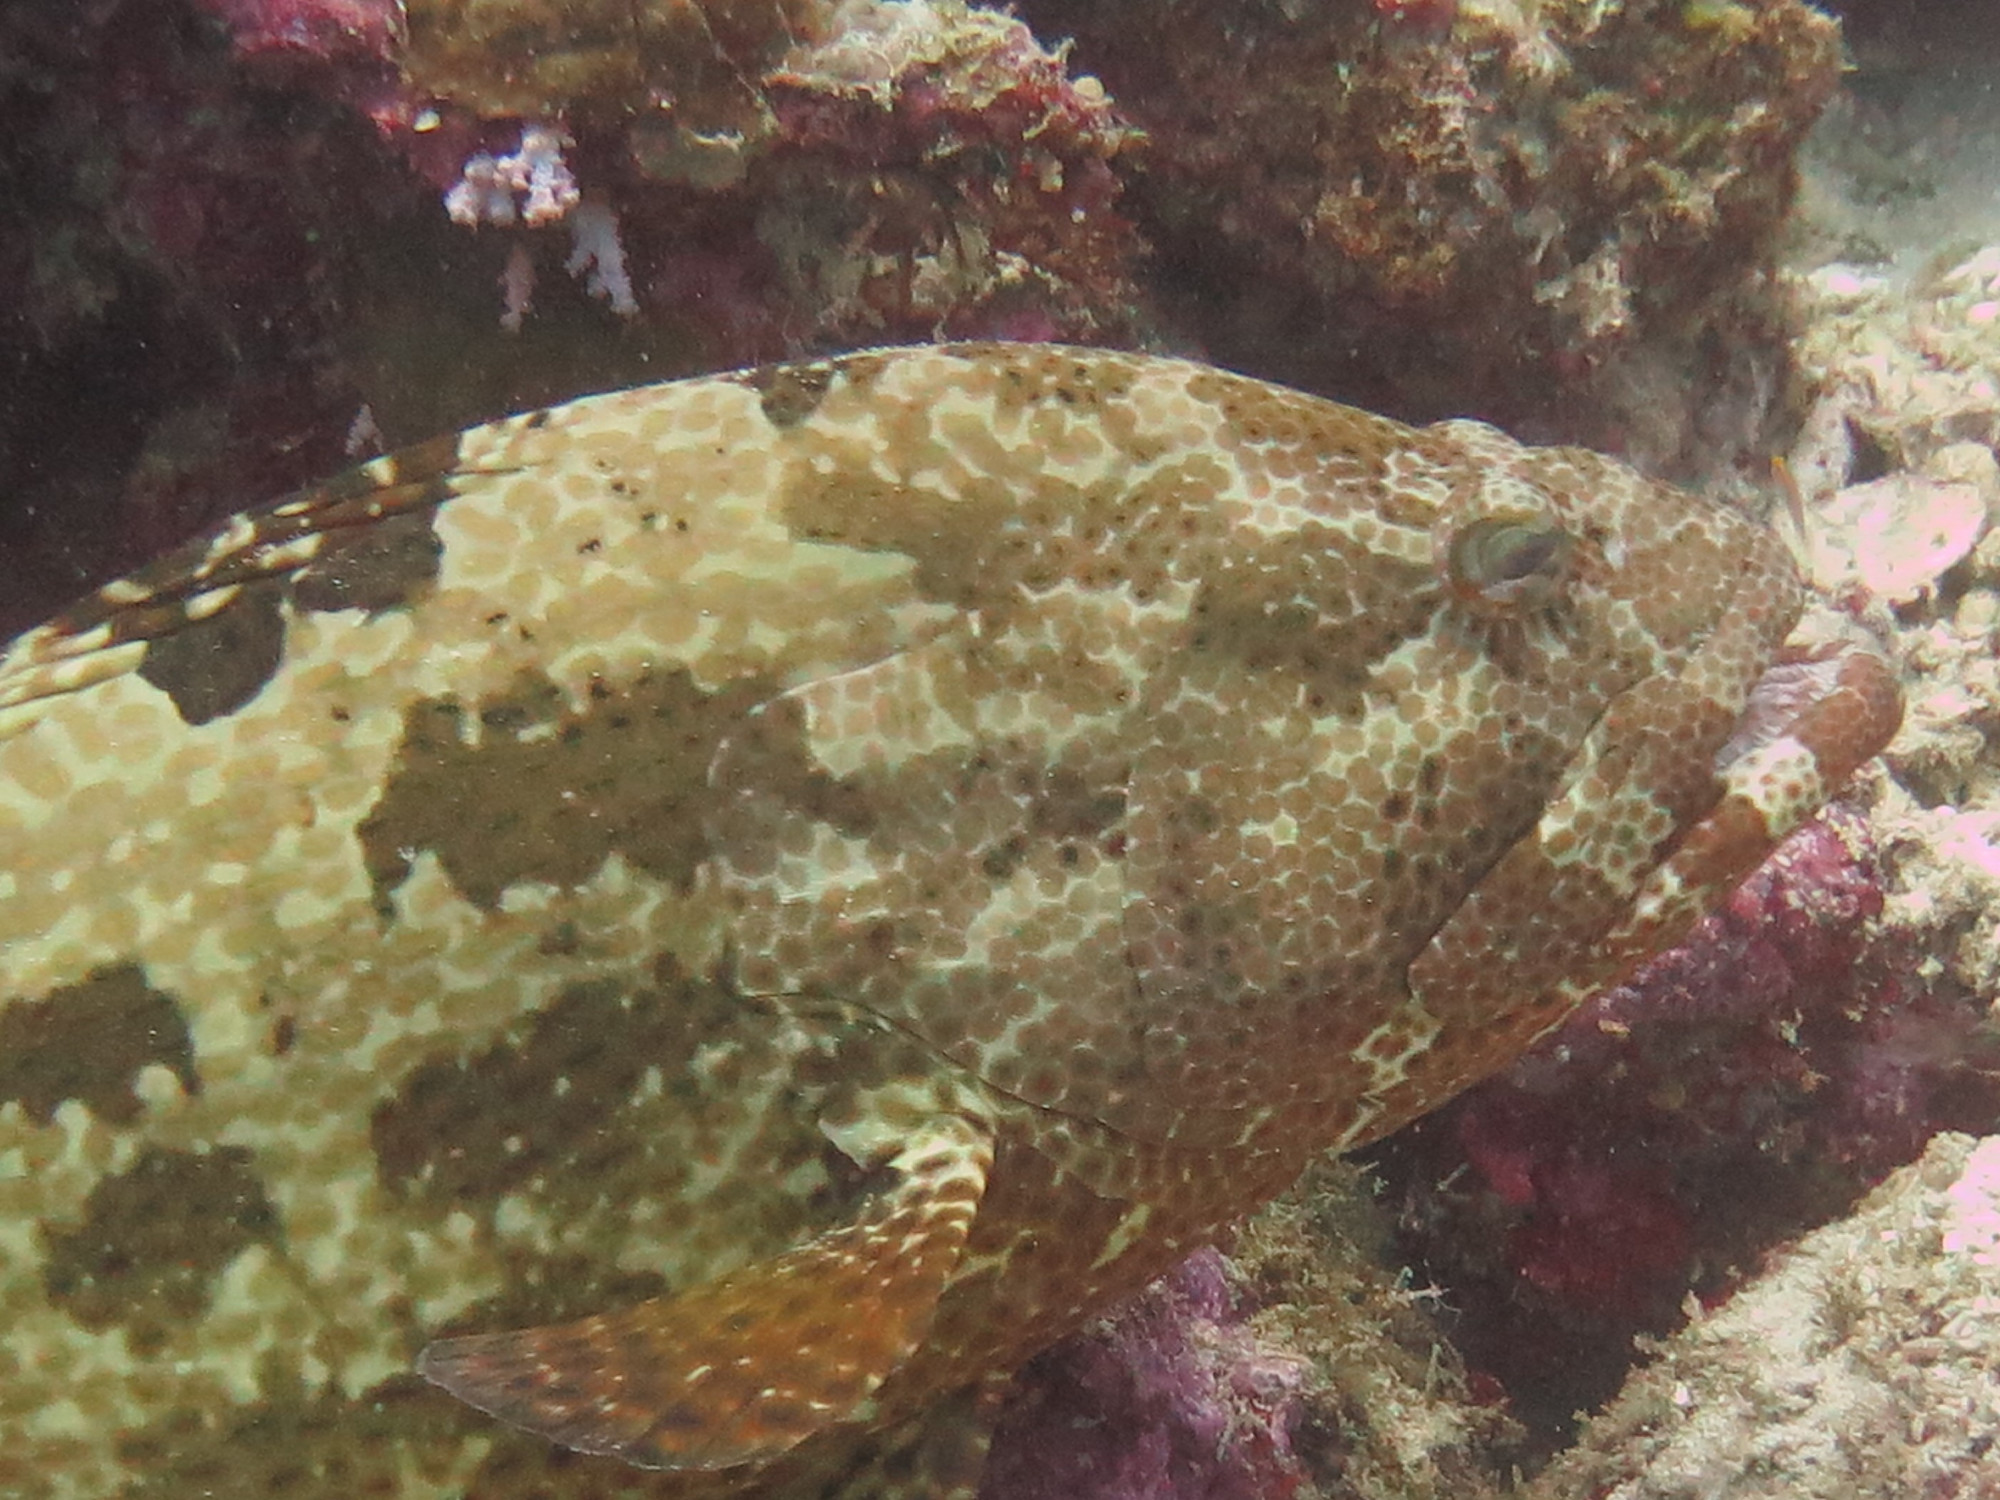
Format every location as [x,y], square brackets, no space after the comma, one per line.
[372,568]
[1271,418]
[971,550]
[213,667]
[790,393]
[545,793]
[88,1041]
[1031,374]
[1068,806]
[153,1237]
[1001,860]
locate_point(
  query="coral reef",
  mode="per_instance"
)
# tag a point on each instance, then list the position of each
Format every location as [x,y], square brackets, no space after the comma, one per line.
[227,241]
[1896,463]
[1859,1363]
[531,184]
[938,173]
[880,172]
[692,63]
[1895,458]
[173,235]
[228,218]
[1560,215]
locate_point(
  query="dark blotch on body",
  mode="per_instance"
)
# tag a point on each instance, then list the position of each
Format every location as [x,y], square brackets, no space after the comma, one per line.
[1069,806]
[88,1041]
[544,792]
[1334,663]
[766,776]
[621,1090]
[951,539]
[213,667]
[447,1133]
[298,1440]
[790,393]
[375,567]
[153,1238]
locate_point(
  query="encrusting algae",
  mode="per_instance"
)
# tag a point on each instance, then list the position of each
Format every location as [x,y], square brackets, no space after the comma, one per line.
[715,920]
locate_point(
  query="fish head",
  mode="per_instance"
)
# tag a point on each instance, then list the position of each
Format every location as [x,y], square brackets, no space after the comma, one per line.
[1481,726]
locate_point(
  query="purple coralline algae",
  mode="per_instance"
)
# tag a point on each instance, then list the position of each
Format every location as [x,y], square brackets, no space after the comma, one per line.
[1171,1398]
[1738,1090]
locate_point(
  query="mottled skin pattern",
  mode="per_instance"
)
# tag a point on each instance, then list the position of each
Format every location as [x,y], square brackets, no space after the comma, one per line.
[827,875]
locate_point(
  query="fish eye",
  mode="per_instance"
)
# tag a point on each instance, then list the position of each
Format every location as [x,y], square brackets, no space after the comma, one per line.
[1506,565]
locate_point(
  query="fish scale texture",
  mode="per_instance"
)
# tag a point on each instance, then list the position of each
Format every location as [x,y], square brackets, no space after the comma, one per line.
[976,819]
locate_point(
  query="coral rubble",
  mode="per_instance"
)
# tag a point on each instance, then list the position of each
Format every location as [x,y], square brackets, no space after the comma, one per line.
[1896,459]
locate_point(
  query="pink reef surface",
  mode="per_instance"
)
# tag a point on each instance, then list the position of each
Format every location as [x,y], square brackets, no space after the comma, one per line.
[1171,1398]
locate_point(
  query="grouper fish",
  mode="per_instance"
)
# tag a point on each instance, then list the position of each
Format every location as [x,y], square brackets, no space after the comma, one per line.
[662,946]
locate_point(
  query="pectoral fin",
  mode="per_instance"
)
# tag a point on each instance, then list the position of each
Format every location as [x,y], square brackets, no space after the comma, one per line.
[740,1369]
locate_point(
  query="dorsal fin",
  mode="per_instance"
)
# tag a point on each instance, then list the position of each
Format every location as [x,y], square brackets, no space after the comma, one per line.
[739,1369]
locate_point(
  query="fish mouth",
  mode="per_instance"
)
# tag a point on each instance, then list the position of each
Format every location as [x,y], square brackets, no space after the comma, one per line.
[1840,701]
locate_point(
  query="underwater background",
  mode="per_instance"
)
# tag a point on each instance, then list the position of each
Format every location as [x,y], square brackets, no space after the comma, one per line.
[1732,1230]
